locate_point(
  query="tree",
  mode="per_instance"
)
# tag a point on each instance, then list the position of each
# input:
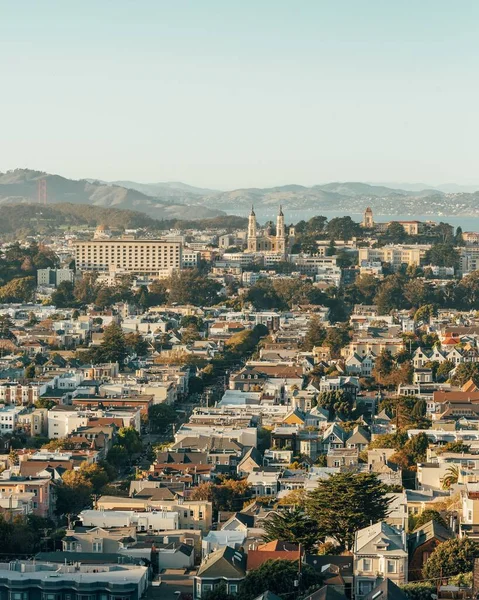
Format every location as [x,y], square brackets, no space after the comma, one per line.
[345,503]
[336,338]
[452,557]
[464,372]
[443,370]
[416,292]
[229,495]
[430,515]
[337,402]
[73,494]
[292,526]
[396,233]
[113,346]
[136,343]
[96,474]
[459,239]
[458,447]
[442,255]
[129,438]
[160,416]
[278,577]
[21,289]
[13,458]
[419,591]
[451,477]
[383,366]
[367,287]
[315,334]
[191,287]
[343,228]
[30,371]
[118,456]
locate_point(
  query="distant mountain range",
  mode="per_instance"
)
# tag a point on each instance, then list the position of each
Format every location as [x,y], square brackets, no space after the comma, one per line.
[347,197]
[20,186]
[175,200]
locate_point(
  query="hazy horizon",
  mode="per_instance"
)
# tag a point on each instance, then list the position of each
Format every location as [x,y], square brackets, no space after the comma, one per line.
[233,95]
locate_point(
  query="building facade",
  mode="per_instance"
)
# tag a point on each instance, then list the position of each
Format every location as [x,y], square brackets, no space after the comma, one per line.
[128,255]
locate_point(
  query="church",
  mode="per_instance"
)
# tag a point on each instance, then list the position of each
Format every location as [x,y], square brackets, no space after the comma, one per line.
[268,241]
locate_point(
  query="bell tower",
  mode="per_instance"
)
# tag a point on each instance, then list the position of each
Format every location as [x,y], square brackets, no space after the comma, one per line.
[252,233]
[280,232]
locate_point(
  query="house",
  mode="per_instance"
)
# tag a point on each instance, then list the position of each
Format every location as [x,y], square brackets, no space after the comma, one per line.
[251,460]
[226,566]
[264,483]
[344,458]
[274,550]
[337,572]
[421,544]
[380,552]
[349,385]
[359,438]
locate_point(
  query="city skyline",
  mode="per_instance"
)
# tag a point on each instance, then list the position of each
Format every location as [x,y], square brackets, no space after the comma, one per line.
[230,96]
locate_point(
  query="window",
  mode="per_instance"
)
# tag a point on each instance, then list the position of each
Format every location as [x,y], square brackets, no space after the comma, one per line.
[366,564]
[233,588]
[391,566]
[365,587]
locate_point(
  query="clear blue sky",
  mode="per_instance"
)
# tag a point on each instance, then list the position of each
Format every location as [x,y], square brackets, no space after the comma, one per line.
[233,93]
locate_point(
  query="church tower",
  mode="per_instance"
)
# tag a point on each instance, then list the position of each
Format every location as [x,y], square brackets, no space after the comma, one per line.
[280,232]
[368,219]
[252,233]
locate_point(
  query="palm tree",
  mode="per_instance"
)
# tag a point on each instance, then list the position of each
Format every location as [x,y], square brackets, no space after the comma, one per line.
[451,477]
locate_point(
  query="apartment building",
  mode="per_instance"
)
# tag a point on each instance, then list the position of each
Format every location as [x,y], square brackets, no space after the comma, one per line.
[128,255]
[395,255]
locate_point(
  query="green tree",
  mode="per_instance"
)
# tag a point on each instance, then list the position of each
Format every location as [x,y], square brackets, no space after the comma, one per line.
[292,526]
[343,228]
[451,477]
[315,334]
[396,234]
[442,255]
[336,338]
[452,557]
[129,438]
[419,591]
[136,343]
[73,494]
[21,289]
[160,416]
[424,313]
[430,515]
[278,577]
[464,372]
[190,286]
[345,503]
[118,456]
[30,371]
[443,370]
[113,346]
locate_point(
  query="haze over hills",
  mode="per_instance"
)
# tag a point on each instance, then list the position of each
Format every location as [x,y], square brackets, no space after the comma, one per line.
[20,186]
[175,200]
[347,197]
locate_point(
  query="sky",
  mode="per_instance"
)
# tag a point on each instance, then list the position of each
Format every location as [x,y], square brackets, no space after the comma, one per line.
[241,93]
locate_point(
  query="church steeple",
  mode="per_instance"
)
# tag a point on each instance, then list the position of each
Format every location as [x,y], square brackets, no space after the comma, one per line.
[252,243]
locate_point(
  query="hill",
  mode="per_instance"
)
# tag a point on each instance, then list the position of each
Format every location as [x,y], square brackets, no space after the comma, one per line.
[19,220]
[20,186]
[175,190]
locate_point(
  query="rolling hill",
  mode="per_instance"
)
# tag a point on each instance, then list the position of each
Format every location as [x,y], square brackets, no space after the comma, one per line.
[20,186]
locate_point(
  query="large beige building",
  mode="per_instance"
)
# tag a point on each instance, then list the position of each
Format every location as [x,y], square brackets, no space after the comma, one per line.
[128,255]
[395,255]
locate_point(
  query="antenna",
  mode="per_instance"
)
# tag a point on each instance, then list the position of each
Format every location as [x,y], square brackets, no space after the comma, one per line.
[42,191]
